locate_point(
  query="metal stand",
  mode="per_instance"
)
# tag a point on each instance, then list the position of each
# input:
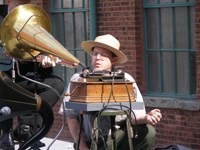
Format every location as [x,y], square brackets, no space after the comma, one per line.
[120,109]
[112,115]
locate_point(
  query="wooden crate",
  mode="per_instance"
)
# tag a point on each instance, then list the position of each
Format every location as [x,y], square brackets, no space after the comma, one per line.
[95,92]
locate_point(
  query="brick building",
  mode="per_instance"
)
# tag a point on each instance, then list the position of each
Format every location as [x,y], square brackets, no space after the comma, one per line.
[161,41]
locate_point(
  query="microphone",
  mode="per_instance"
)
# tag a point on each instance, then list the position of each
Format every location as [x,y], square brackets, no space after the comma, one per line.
[5,111]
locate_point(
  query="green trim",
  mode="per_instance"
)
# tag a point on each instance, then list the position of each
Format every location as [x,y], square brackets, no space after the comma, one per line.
[68,10]
[168,50]
[93,20]
[168,5]
[145,47]
[188,43]
[185,96]
[174,45]
[160,54]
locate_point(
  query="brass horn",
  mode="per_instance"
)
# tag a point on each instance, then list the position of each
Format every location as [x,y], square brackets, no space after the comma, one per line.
[25,33]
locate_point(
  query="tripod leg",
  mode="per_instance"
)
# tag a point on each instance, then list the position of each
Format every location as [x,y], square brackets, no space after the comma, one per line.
[113,133]
[130,133]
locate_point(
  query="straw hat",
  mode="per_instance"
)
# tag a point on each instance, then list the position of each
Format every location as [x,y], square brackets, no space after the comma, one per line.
[108,42]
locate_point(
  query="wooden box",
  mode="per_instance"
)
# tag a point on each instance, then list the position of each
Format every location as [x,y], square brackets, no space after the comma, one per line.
[96,92]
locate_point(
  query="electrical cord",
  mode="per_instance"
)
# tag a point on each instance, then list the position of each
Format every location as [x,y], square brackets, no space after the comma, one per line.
[110,107]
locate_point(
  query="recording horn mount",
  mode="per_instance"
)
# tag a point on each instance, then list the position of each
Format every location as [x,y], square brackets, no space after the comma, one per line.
[25,33]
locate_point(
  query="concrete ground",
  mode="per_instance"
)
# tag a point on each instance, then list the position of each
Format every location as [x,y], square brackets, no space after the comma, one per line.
[57,145]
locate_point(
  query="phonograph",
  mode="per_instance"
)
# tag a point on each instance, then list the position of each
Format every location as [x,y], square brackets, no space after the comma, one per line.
[102,87]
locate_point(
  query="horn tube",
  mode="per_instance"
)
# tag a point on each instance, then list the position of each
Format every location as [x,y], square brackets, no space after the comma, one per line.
[25,33]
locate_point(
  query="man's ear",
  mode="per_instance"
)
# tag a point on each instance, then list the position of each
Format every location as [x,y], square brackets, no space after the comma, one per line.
[7,2]
[114,60]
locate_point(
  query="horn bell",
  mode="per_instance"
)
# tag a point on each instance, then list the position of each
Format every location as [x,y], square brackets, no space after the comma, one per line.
[25,33]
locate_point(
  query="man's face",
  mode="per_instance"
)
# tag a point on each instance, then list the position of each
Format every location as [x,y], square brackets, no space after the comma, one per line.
[102,59]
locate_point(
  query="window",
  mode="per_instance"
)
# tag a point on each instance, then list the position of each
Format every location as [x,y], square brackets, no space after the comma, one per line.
[2,1]
[5,63]
[70,28]
[170,47]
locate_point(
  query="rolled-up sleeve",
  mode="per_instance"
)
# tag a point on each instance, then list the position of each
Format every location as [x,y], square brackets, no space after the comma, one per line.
[140,111]
[70,113]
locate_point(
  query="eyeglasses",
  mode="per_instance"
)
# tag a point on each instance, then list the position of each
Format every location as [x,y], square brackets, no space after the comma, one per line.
[103,56]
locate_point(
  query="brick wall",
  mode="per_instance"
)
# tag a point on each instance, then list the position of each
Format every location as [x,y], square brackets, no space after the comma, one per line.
[179,127]
[43,3]
[123,19]
[58,124]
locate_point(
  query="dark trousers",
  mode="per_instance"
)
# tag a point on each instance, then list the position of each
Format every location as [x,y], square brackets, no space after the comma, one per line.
[6,125]
[51,95]
[144,141]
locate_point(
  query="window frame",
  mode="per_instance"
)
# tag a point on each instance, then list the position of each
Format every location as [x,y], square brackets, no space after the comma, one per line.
[158,5]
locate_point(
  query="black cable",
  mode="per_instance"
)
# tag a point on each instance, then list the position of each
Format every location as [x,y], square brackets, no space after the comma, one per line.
[79,134]
[104,142]
[128,116]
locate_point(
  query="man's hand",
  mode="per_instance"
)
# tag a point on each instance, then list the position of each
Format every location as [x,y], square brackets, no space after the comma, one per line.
[51,61]
[47,61]
[154,116]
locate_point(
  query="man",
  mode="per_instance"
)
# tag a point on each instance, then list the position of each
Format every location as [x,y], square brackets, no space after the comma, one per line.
[105,53]
[42,72]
